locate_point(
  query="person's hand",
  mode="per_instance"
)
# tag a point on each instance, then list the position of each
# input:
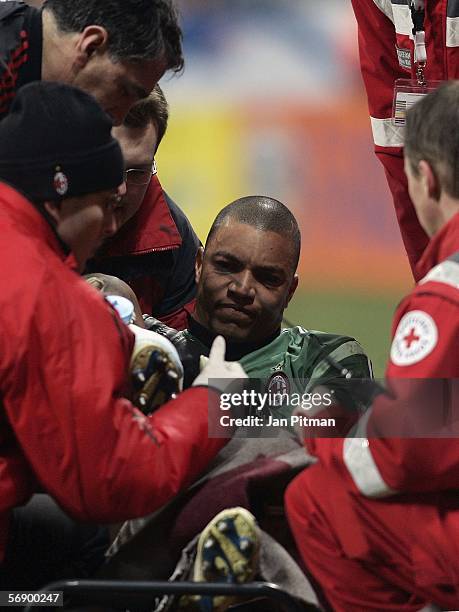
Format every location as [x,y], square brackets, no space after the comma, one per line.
[217,372]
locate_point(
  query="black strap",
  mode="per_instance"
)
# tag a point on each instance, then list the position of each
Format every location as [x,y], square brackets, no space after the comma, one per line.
[417,17]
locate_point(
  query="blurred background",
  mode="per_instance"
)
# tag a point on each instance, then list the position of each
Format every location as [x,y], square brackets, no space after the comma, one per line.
[271,102]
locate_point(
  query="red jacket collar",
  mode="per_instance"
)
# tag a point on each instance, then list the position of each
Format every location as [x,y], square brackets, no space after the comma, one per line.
[29,218]
[440,247]
[152,228]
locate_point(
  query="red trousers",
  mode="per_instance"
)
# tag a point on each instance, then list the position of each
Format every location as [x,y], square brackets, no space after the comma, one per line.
[398,553]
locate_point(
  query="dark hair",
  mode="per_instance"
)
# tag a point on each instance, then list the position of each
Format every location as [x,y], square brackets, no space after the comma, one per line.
[432,134]
[153,109]
[137,29]
[263,213]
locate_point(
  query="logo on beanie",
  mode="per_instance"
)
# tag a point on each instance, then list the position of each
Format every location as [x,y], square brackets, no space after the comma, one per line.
[61,183]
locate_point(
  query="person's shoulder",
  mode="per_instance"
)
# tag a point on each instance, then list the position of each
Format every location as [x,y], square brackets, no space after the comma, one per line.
[12,12]
[181,220]
[8,7]
[323,340]
[442,280]
[335,348]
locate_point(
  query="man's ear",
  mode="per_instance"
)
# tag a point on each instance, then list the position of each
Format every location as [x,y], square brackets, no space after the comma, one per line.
[292,289]
[53,209]
[429,180]
[198,264]
[93,38]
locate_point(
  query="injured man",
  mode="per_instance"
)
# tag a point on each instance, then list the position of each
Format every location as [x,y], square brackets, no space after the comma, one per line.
[246,276]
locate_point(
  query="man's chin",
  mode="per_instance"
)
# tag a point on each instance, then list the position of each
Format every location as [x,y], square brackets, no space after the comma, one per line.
[233,331]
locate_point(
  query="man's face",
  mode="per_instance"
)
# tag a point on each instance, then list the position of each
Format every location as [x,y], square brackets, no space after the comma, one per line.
[245,281]
[84,222]
[118,85]
[138,146]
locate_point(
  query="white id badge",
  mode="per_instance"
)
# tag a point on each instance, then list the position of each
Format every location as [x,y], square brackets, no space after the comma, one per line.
[406,93]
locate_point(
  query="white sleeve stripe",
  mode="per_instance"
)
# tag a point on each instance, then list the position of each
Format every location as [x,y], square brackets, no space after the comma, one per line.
[386,134]
[452,31]
[361,465]
[446,272]
[402,19]
[385,6]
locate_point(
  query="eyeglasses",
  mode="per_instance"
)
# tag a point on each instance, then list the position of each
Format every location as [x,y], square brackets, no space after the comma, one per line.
[136,176]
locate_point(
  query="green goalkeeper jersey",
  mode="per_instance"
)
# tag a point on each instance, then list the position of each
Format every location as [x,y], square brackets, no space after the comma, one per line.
[297,360]
[292,361]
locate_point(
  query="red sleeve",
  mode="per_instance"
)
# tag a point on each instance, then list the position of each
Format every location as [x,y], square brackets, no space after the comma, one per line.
[424,377]
[380,69]
[378,56]
[96,454]
[394,449]
[425,338]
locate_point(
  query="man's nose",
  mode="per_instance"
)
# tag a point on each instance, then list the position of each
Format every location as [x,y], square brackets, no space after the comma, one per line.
[242,286]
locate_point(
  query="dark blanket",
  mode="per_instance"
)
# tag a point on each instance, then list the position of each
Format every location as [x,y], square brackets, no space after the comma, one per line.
[252,473]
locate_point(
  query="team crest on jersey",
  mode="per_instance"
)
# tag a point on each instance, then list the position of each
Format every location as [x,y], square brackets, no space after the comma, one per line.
[278,387]
[61,183]
[415,338]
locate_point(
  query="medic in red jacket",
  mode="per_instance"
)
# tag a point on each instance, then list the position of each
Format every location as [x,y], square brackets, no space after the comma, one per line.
[386,48]
[376,520]
[104,461]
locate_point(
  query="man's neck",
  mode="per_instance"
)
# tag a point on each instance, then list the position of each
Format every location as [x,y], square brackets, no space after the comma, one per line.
[234,350]
[449,207]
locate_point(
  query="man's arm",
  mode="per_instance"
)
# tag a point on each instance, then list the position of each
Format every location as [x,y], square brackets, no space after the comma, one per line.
[90,448]
[380,68]
[393,448]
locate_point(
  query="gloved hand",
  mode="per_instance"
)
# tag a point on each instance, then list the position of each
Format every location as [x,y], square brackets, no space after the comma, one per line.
[156,369]
[217,372]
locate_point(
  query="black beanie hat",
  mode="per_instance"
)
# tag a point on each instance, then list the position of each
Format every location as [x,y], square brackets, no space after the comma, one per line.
[56,143]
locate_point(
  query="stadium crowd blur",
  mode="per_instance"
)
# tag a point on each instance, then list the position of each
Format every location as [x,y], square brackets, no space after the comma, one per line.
[113,459]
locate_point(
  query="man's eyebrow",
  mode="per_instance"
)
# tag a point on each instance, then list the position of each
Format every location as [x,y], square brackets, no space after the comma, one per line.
[231,257]
[271,269]
[226,254]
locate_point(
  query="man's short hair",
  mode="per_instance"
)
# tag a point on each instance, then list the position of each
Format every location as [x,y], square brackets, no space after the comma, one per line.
[137,29]
[152,109]
[263,213]
[432,134]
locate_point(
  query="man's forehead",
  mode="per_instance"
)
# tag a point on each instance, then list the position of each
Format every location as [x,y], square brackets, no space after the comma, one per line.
[243,241]
[137,141]
[245,233]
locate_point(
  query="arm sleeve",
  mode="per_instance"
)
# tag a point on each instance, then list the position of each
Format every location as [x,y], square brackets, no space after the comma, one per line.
[408,442]
[89,447]
[380,69]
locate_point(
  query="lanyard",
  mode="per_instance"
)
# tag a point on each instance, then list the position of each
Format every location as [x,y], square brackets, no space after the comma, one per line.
[417,8]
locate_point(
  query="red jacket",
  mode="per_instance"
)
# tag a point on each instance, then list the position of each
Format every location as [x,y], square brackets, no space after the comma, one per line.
[386,54]
[383,456]
[64,422]
[155,253]
[20,49]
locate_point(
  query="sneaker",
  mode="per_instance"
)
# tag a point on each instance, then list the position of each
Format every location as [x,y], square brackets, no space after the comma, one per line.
[227,551]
